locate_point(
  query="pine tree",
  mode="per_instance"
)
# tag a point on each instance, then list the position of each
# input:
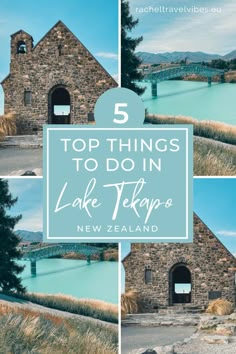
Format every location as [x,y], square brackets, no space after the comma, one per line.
[9,269]
[129,61]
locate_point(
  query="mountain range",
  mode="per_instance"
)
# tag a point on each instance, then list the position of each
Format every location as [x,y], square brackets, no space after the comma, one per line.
[30,236]
[158,58]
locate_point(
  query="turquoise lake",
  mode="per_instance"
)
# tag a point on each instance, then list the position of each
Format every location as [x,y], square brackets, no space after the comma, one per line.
[194,99]
[99,280]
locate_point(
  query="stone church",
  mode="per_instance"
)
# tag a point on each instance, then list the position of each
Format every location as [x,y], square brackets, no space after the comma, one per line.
[166,274]
[57,81]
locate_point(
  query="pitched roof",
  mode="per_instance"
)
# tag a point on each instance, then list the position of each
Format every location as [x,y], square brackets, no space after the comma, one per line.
[59,23]
[62,23]
[21,31]
[5,78]
[205,226]
[56,24]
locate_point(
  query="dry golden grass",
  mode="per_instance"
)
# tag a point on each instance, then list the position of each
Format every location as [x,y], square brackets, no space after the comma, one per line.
[92,303]
[87,307]
[129,303]
[230,77]
[28,331]
[213,164]
[28,313]
[212,159]
[111,255]
[220,307]
[8,124]
[208,129]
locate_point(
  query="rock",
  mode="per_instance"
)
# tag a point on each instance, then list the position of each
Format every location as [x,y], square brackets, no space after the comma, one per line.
[216,339]
[29,173]
[208,324]
[167,323]
[167,349]
[233,316]
[137,351]
[150,351]
[38,171]
[228,329]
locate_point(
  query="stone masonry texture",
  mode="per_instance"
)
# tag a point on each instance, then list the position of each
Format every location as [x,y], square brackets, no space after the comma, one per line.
[209,262]
[59,60]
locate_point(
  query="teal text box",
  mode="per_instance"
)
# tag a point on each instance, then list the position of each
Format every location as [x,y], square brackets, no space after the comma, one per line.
[113,184]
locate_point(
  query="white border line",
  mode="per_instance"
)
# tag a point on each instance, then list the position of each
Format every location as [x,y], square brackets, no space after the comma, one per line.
[119,296]
[111,236]
[47,186]
[119,43]
[186,190]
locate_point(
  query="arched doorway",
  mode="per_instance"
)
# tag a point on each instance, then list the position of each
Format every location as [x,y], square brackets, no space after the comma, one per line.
[59,105]
[180,285]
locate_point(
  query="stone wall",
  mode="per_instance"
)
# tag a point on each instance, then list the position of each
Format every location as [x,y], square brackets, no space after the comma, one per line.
[58,59]
[206,258]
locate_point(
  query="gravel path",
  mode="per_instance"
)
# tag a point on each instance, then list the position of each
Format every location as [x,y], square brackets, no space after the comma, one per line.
[133,338]
[199,346]
[14,161]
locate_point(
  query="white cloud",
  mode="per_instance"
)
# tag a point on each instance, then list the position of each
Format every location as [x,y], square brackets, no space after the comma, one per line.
[32,220]
[116,77]
[208,32]
[18,186]
[107,55]
[1,101]
[227,233]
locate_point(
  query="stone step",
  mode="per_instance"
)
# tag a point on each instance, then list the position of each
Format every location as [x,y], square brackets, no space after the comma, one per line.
[181,309]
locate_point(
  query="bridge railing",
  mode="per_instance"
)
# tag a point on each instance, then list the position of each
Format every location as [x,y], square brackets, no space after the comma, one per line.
[182,70]
[51,251]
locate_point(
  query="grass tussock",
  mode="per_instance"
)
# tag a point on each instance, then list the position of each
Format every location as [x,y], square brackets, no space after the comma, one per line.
[91,308]
[111,255]
[220,307]
[212,159]
[25,331]
[208,129]
[129,303]
[8,124]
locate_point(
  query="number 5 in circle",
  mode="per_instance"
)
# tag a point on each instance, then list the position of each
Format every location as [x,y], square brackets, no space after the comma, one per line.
[120,112]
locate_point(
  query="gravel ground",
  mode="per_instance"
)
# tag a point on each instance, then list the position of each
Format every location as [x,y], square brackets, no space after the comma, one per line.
[14,161]
[198,346]
[133,338]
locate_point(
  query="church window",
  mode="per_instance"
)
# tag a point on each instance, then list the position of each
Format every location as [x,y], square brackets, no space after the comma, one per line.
[60,49]
[27,97]
[21,47]
[148,276]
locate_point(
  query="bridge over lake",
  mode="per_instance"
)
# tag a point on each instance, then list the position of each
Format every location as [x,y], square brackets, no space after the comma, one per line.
[36,254]
[172,72]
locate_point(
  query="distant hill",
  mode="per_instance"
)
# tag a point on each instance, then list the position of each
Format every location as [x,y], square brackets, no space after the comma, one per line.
[158,58]
[230,56]
[30,236]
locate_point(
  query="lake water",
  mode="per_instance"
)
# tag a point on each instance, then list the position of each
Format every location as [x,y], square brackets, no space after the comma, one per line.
[194,99]
[99,280]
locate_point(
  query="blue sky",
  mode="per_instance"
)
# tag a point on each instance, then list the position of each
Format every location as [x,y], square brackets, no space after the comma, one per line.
[212,32]
[214,203]
[94,22]
[30,202]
